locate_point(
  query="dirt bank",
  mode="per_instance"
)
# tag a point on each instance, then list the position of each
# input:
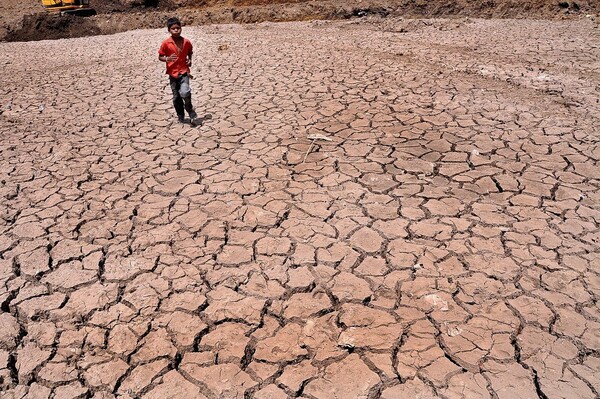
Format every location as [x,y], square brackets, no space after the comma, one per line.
[22,20]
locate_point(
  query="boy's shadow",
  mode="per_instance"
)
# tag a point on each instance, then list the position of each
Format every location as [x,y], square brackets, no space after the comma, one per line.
[201,121]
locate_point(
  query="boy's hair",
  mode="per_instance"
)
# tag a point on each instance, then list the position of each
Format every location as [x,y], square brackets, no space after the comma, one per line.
[173,21]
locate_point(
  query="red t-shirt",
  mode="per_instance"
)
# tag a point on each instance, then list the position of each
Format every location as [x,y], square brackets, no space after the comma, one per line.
[177,67]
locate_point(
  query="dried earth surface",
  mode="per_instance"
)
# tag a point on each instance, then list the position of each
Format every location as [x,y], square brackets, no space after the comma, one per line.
[443,244]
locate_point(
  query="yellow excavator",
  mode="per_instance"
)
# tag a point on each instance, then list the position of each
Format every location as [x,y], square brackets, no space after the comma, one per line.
[74,7]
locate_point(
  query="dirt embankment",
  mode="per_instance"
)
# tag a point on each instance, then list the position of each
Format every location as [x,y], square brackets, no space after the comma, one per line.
[23,20]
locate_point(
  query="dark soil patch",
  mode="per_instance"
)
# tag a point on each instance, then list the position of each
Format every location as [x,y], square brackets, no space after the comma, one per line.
[53,26]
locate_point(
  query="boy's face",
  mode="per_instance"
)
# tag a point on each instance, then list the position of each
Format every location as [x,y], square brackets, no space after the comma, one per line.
[175,30]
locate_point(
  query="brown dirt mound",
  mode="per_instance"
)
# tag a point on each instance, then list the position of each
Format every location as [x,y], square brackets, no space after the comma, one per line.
[122,15]
[45,26]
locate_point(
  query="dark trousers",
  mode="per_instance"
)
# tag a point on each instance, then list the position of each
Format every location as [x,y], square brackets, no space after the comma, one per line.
[182,96]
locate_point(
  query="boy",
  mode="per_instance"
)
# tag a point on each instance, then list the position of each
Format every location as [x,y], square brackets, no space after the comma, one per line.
[176,52]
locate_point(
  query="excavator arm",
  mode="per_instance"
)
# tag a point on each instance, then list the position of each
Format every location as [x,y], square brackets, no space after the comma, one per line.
[77,7]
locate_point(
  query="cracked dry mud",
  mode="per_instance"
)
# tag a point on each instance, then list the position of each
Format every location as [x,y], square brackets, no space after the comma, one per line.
[443,244]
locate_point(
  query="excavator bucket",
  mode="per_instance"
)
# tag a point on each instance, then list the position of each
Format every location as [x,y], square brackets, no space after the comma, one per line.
[82,12]
[72,7]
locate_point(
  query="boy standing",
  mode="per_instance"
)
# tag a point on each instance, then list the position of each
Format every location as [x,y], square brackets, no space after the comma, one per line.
[177,52]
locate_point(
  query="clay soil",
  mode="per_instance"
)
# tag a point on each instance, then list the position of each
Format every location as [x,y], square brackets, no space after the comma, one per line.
[24,20]
[379,207]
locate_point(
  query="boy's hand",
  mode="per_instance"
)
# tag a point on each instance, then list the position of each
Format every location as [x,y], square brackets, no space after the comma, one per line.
[171,58]
[188,62]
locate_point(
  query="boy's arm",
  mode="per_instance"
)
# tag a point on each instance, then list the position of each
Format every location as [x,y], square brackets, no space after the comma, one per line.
[188,60]
[162,53]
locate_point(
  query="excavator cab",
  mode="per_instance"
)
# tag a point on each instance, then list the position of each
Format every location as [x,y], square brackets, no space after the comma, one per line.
[73,7]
